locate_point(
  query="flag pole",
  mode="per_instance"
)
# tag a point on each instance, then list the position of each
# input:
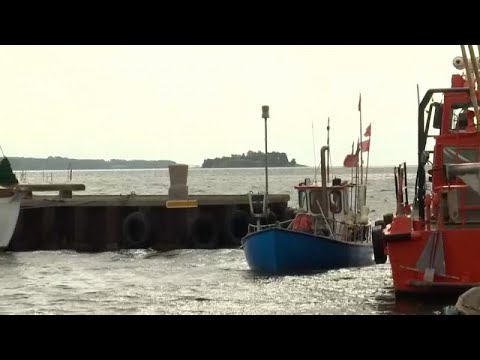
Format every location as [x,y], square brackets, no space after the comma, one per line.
[356,179]
[351,190]
[328,158]
[368,155]
[361,152]
[353,143]
[314,156]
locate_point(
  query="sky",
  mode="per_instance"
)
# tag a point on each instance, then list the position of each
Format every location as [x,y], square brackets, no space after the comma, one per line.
[189,103]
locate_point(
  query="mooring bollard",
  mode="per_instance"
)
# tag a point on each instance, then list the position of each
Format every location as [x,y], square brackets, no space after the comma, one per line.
[178,189]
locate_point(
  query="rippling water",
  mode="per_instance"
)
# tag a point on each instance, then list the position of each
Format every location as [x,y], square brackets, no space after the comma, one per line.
[195,281]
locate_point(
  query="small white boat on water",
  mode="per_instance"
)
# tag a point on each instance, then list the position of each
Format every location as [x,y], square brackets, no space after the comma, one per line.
[10,201]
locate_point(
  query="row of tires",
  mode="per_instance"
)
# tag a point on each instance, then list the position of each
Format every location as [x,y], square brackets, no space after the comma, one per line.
[203,233]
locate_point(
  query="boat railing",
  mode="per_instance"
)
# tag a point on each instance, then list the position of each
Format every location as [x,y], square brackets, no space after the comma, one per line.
[340,230]
[278,224]
[353,232]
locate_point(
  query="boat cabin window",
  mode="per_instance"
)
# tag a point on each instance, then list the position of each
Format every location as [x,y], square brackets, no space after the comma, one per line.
[458,155]
[462,115]
[335,198]
[302,201]
[315,200]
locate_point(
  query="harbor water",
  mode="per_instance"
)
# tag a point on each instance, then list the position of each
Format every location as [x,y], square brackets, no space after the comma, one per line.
[196,281]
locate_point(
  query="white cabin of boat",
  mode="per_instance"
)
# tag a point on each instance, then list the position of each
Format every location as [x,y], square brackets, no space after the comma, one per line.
[341,204]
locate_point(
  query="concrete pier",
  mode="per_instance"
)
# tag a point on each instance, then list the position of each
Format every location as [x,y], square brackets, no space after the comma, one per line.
[107,222]
[95,223]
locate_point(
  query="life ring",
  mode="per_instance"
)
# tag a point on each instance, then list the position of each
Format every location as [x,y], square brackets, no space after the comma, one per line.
[136,231]
[239,222]
[204,233]
[378,244]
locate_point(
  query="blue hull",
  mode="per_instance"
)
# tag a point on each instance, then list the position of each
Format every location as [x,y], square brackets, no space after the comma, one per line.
[277,250]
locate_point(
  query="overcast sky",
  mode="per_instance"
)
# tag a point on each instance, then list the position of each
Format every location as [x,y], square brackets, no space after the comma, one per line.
[188,103]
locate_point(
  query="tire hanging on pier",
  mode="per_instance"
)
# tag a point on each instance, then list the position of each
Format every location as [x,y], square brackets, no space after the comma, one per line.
[204,233]
[239,222]
[288,214]
[136,231]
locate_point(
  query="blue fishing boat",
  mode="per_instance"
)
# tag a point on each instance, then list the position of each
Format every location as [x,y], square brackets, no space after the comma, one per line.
[277,250]
[330,228]
[326,233]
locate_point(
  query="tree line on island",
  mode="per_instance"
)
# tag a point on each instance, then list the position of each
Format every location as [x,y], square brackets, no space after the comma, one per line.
[251,159]
[61,163]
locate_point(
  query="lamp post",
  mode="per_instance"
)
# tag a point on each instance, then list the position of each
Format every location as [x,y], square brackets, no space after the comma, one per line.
[265,115]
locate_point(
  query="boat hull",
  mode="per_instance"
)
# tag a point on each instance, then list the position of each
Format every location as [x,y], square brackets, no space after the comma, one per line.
[460,255]
[9,211]
[277,250]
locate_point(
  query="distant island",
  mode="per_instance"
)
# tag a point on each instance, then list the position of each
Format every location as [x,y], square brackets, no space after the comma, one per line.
[250,160]
[61,163]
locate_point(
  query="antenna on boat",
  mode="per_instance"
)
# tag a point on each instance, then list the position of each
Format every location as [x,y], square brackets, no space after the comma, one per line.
[266,115]
[314,156]
[361,152]
[2,151]
[328,145]
[368,133]
[418,95]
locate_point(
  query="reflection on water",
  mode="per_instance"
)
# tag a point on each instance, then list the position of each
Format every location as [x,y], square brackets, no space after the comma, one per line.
[188,282]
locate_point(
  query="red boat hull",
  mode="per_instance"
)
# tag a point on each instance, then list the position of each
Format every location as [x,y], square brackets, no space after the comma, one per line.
[434,243]
[461,249]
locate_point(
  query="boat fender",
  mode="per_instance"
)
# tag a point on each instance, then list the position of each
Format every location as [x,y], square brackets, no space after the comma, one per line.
[136,231]
[204,233]
[388,218]
[239,222]
[378,244]
[380,223]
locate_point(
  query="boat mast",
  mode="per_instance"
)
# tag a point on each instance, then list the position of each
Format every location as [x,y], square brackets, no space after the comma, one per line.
[468,73]
[418,95]
[329,157]
[361,152]
[356,180]
[474,64]
[314,156]
[351,189]
[265,115]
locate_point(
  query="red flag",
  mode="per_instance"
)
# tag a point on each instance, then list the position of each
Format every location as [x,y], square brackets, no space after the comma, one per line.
[365,145]
[351,160]
[368,132]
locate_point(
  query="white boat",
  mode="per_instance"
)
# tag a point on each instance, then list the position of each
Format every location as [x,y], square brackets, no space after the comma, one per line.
[9,210]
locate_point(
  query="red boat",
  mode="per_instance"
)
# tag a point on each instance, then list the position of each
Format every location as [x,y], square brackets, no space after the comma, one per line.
[433,245]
